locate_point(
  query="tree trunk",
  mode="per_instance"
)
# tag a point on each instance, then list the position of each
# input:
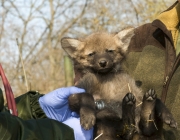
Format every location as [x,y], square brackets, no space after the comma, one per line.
[68,71]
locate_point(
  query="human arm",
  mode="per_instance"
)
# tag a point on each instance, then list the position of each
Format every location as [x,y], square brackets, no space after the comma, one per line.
[15,128]
[28,106]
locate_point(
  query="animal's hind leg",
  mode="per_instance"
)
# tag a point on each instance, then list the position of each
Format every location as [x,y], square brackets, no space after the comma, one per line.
[128,116]
[164,114]
[147,122]
[153,114]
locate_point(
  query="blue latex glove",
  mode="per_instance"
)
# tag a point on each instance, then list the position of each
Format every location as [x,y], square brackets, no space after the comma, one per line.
[55,105]
[79,132]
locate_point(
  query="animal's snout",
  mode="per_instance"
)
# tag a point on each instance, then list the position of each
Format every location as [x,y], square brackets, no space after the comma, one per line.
[103,63]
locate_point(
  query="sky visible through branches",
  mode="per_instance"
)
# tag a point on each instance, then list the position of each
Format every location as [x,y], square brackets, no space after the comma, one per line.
[39,26]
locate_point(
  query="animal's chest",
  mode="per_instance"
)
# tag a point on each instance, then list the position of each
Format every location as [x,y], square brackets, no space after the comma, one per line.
[110,88]
[113,88]
[109,96]
[105,90]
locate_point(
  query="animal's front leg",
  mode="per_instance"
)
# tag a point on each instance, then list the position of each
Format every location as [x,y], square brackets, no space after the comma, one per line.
[87,111]
[84,104]
[128,116]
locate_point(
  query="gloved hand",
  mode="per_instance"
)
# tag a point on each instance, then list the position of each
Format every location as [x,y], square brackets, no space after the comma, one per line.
[55,105]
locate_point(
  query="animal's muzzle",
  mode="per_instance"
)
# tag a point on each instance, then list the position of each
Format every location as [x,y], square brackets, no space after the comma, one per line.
[103,63]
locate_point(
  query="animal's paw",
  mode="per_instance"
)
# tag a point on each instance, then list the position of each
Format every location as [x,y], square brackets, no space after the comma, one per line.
[128,109]
[87,117]
[167,118]
[150,95]
[129,99]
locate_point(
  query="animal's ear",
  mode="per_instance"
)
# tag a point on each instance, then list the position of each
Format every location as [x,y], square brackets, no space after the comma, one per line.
[71,45]
[123,38]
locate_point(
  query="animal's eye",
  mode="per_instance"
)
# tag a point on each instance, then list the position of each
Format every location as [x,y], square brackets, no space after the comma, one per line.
[110,51]
[91,54]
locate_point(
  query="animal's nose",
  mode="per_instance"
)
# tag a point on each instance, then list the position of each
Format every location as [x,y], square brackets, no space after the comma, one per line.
[103,63]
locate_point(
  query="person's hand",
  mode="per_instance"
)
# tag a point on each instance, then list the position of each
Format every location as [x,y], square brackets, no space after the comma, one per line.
[55,106]
[55,103]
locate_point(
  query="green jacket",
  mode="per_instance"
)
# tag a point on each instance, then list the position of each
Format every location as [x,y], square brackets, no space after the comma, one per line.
[152,59]
[31,123]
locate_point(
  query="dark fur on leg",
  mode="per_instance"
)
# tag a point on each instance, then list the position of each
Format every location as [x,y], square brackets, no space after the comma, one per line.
[147,121]
[113,127]
[128,116]
[153,114]
[108,125]
[164,115]
[83,103]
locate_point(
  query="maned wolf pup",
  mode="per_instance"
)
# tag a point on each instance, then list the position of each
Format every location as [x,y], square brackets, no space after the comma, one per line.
[113,103]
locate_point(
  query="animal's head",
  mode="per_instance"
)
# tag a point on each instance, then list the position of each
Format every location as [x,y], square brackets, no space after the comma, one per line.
[99,52]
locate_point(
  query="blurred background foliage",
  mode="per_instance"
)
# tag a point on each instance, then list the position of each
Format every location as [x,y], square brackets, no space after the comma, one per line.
[39,26]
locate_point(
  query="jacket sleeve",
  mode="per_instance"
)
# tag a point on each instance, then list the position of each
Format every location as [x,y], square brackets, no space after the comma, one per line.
[15,128]
[31,124]
[28,106]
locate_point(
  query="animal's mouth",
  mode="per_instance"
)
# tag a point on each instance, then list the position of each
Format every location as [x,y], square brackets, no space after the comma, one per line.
[104,70]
